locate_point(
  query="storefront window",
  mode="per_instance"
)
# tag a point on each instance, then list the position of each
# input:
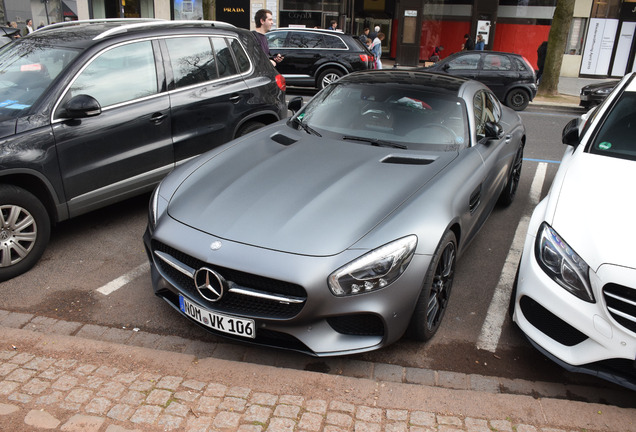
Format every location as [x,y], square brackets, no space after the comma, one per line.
[605,8]
[576,36]
[113,9]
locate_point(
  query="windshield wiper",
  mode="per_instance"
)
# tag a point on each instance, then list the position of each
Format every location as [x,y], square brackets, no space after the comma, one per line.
[376,142]
[305,127]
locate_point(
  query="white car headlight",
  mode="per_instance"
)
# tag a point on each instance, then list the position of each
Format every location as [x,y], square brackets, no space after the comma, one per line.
[562,264]
[374,270]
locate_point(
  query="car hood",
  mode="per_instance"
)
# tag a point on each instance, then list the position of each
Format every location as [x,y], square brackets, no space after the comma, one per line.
[594,210]
[308,195]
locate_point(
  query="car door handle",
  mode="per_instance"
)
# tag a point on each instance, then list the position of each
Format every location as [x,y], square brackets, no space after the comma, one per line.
[235,98]
[157,117]
[508,138]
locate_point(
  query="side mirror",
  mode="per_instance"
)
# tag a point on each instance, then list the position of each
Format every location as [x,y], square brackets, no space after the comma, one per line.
[82,106]
[493,130]
[570,134]
[295,104]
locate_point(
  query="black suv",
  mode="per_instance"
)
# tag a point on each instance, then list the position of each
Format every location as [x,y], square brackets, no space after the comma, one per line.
[96,112]
[509,76]
[315,58]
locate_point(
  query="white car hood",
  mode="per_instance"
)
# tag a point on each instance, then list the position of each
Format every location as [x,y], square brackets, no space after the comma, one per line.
[596,208]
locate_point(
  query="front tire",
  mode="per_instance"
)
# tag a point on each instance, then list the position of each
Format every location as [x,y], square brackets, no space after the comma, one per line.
[510,190]
[433,300]
[327,77]
[517,99]
[25,230]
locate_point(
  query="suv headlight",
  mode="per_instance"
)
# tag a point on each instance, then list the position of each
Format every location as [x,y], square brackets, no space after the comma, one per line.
[374,270]
[562,264]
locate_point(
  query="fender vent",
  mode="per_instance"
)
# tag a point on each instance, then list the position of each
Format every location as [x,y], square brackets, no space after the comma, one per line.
[282,139]
[402,160]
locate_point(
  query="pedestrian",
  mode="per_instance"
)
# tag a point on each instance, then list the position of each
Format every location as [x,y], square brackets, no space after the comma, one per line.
[435,54]
[365,35]
[14,25]
[29,27]
[376,49]
[469,45]
[479,46]
[41,24]
[264,22]
[374,33]
[333,26]
[542,51]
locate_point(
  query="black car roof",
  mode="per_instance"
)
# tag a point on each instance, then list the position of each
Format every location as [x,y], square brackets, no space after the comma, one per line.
[436,81]
[81,34]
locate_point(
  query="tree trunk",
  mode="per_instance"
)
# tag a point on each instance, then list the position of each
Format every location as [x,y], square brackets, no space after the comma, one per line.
[208,9]
[557,41]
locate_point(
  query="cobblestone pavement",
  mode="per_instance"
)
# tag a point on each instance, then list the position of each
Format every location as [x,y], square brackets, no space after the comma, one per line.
[60,382]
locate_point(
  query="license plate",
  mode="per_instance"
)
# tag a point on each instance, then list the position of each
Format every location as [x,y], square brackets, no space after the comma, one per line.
[584,97]
[223,323]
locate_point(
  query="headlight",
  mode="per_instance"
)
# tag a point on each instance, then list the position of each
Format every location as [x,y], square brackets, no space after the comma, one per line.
[155,208]
[562,264]
[374,270]
[604,91]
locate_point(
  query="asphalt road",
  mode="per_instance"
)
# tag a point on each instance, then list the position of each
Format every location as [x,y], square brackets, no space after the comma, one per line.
[102,252]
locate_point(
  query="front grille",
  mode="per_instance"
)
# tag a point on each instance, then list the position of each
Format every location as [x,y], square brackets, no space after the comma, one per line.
[233,303]
[550,324]
[621,304]
[357,325]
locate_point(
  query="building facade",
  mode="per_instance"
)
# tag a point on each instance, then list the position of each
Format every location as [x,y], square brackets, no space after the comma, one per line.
[601,41]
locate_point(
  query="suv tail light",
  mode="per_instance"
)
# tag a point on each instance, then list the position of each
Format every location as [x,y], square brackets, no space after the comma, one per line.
[280,81]
[366,58]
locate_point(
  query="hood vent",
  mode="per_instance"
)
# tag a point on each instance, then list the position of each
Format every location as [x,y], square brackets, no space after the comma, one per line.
[282,139]
[408,160]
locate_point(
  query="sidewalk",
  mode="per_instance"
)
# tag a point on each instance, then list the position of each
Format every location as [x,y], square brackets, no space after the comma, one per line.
[52,380]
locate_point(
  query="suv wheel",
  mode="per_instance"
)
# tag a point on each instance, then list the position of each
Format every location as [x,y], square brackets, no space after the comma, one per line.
[249,127]
[24,231]
[328,76]
[517,99]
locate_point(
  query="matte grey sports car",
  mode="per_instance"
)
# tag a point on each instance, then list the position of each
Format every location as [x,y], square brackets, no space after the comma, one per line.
[337,231]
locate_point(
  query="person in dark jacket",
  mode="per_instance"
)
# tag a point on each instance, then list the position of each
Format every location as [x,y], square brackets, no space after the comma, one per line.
[264,22]
[469,45]
[542,51]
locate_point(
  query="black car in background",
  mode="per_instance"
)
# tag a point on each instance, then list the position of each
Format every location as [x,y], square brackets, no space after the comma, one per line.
[315,58]
[92,113]
[594,94]
[509,76]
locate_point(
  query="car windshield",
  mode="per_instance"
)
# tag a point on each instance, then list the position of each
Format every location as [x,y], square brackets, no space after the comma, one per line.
[615,138]
[405,116]
[26,70]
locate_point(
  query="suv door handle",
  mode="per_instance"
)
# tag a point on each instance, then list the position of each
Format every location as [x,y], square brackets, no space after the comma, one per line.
[157,117]
[235,98]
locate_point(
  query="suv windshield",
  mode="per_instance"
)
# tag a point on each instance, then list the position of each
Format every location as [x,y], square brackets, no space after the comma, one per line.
[417,118]
[26,70]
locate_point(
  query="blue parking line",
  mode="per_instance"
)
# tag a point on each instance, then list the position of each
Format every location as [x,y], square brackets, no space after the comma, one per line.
[542,160]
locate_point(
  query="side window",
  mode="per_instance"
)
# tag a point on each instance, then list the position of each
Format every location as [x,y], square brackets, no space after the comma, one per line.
[192,60]
[520,65]
[224,57]
[478,108]
[334,42]
[494,106]
[240,55]
[497,62]
[276,39]
[468,61]
[121,74]
[305,40]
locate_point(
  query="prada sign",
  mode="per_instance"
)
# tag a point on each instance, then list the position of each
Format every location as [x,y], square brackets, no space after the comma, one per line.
[235,12]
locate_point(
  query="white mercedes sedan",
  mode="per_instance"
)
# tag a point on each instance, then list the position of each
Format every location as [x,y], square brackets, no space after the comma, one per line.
[575,292]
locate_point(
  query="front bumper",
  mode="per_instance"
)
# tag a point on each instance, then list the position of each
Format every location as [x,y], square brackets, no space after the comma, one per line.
[322,325]
[579,336]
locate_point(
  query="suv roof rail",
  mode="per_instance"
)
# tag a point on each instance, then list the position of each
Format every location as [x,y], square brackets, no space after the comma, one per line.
[95,20]
[152,23]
